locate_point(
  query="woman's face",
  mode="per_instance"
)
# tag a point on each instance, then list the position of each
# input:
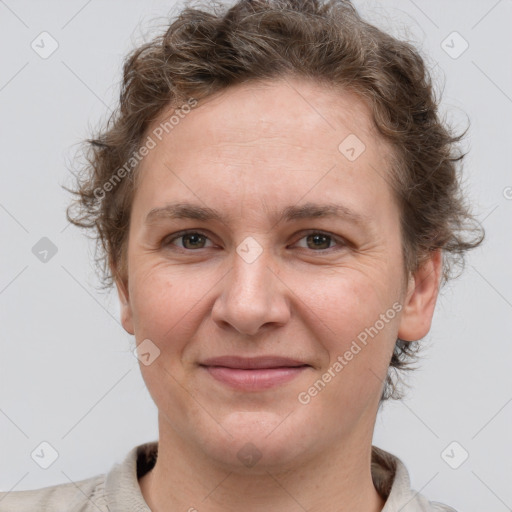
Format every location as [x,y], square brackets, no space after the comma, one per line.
[268,276]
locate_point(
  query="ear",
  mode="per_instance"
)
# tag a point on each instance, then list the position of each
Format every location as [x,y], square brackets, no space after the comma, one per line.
[126,309]
[420,300]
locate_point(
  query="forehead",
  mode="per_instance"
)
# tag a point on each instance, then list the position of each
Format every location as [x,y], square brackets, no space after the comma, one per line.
[269,141]
[288,109]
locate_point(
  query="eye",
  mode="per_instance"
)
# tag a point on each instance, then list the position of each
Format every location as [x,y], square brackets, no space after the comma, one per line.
[190,240]
[317,241]
[320,241]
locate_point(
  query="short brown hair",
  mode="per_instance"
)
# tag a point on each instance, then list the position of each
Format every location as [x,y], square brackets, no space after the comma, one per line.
[212,46]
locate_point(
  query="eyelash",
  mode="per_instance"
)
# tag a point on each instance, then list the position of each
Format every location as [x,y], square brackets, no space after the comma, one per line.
[341,243]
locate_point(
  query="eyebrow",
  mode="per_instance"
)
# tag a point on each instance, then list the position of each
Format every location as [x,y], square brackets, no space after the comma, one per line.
[183,210]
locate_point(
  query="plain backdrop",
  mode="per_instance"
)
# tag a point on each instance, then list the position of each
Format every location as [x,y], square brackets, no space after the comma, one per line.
[67,373]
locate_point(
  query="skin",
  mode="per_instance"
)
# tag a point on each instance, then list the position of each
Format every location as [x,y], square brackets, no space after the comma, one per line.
[250,151]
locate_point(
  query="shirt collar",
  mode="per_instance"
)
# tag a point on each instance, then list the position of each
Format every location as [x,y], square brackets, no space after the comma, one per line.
[390,477]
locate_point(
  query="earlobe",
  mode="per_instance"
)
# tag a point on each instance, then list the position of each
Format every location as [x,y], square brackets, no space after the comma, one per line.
[421,298]
[126,311]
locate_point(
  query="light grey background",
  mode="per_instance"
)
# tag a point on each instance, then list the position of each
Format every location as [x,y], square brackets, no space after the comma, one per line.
[67,373]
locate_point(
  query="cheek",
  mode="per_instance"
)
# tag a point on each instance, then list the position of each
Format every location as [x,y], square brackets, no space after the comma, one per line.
[346,301]
[358,330]
[166,301]
[153,298]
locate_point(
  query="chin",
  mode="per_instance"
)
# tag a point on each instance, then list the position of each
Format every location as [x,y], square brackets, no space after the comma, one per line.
[259,442]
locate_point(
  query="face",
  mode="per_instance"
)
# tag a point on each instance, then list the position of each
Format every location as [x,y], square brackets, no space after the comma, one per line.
[295,282]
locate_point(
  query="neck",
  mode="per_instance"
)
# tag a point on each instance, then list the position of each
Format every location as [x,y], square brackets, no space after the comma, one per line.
[336,480]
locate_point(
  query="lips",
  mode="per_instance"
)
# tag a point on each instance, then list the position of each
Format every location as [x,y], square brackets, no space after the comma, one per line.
[253,374]
[244,363]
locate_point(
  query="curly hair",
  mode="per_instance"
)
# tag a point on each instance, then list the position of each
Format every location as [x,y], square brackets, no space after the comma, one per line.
[210,47]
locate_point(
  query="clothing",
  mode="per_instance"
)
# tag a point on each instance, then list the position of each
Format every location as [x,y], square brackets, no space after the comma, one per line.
[119,490]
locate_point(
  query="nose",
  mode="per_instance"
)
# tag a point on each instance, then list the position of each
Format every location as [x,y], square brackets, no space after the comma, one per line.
[253,296]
